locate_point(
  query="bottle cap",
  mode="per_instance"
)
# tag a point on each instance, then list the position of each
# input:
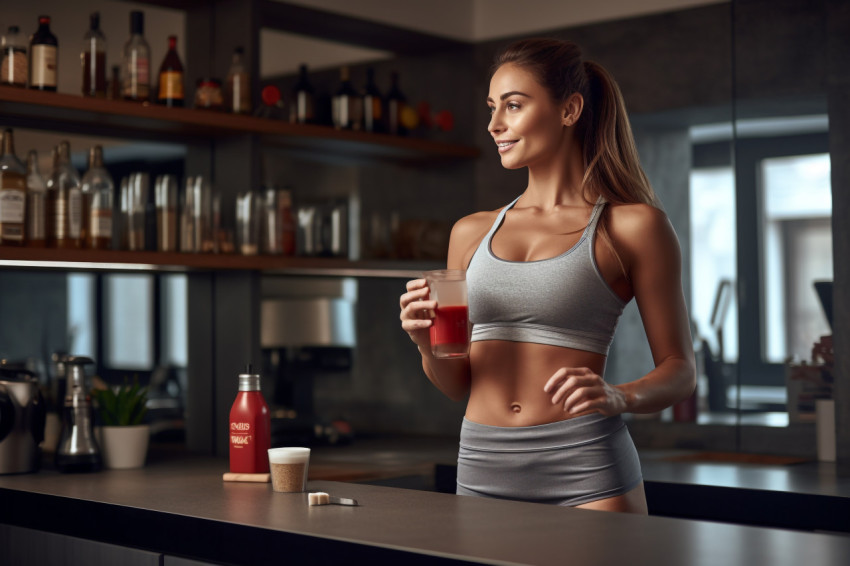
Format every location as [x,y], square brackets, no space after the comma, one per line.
[137,23]
[249,381]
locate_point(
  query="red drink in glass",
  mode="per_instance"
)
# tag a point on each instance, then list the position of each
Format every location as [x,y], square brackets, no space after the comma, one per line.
[450,328]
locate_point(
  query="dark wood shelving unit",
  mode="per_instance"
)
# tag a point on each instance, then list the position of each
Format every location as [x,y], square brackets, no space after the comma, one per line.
[145,261]
[77,114]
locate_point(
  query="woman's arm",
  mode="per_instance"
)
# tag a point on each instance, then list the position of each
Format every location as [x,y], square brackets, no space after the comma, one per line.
[654,261]
[649,249]
[451,376]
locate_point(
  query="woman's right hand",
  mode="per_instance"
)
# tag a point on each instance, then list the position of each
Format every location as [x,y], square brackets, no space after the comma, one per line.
[417,312]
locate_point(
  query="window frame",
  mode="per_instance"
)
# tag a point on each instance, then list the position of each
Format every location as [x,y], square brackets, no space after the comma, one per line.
[749,198]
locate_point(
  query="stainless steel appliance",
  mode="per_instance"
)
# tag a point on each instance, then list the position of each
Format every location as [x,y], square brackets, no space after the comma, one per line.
[78,450]
[22,418]
[303,339]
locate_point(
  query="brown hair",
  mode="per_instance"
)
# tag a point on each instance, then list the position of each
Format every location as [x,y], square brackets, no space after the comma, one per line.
[612,167]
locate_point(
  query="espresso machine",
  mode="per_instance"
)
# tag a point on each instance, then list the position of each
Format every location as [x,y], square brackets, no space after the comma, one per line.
[302,339]
[78,451]
[22,418]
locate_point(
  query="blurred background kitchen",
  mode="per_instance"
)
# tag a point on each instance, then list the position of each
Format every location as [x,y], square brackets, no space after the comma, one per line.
[737,108]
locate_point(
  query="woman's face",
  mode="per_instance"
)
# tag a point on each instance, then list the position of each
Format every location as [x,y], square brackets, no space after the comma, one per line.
[526,124]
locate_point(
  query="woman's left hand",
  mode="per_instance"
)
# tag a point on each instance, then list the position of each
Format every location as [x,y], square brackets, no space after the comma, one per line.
[582,391]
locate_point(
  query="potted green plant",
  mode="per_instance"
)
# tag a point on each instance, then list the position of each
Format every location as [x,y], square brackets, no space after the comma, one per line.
[124,438]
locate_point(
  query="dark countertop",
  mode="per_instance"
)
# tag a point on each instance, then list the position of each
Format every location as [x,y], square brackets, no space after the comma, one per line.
[179,505]
[749,489]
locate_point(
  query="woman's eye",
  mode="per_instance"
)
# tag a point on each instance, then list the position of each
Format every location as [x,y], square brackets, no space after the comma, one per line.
[490,110]
[512,106]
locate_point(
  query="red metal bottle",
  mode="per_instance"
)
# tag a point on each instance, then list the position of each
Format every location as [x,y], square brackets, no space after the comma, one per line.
[250,428]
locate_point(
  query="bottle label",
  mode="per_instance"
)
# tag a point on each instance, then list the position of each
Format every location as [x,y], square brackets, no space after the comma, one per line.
[240,435]
[137,81]
[75,213]
[13,70]
[101,225]
[12,213]
[171,85]
[43,65]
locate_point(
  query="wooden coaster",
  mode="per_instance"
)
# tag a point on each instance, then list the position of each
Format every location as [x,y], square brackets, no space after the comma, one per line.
[254,478]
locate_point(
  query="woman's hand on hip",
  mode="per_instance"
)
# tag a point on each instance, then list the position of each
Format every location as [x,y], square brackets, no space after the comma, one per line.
[582,391]
[417,312]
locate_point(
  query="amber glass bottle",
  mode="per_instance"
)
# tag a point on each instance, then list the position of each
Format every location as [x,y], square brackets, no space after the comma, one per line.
[171,92]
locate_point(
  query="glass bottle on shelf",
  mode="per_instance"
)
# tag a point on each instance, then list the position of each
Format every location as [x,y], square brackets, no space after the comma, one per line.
[93,59]
[347,104]
[36,212]
[44,59]
[373,104]
[64,201]
[303,109]
[13,51]
[136,78]
[238,88]
[13,193]
[171,92]
[396,102]
[97,189]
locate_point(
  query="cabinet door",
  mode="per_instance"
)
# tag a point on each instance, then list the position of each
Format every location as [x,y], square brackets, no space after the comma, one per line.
[26,547]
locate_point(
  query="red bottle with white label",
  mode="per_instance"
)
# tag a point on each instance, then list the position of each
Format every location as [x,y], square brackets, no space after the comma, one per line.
[250,428]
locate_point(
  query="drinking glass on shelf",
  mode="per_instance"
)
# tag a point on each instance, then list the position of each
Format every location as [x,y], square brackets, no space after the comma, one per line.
[165,189]
[248,211]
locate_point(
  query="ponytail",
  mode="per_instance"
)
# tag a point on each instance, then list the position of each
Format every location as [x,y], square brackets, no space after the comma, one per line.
[612,165]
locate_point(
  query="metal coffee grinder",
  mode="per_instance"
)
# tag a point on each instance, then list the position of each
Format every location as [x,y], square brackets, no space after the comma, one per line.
[78,450]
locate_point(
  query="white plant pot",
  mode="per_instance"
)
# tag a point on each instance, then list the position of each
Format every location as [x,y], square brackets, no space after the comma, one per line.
[124,447]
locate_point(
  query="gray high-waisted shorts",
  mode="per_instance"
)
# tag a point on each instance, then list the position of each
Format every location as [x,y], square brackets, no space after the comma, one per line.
[568,462]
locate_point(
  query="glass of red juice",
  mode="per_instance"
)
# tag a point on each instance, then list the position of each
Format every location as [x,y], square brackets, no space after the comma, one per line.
[450,328]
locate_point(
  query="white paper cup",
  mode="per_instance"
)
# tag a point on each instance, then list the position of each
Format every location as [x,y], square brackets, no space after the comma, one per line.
[288,467]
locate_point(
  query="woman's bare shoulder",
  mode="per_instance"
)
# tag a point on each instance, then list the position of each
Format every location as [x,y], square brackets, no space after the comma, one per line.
[638,219]
[638,229]
[467,234]
[477,223]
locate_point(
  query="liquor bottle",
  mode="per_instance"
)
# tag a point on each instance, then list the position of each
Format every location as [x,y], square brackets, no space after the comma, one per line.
[13,51]
[303,110]
[171,91]
[373,104]
[13,194]
[238,94]
[347,104]
[44,57]
[396,102]
[250,428]
[136,77]
[64,201]
[97,189]
[93,59]
[36,213]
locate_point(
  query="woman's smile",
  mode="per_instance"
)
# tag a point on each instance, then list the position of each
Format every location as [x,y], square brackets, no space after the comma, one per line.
[506,145]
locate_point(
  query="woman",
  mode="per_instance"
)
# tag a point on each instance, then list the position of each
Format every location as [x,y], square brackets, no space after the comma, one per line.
[545,294]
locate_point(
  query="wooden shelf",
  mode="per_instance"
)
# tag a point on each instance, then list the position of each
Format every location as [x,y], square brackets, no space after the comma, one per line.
[117,118]
[122,261]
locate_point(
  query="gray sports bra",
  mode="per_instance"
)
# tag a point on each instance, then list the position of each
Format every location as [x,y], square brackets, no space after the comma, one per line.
[559,301]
